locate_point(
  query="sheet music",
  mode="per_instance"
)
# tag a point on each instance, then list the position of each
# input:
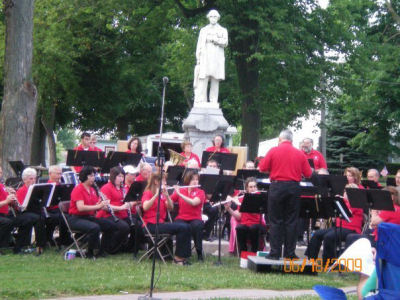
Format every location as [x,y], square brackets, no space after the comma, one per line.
[30,190]
[342,211]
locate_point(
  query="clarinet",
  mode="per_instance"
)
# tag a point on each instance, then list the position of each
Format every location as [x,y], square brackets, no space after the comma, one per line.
[129,208]
[103,198]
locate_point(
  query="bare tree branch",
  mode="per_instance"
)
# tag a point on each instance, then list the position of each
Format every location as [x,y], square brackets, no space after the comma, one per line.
[188,13]
[391,10]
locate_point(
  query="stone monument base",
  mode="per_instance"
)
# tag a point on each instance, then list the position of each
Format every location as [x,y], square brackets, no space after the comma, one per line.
[205,120]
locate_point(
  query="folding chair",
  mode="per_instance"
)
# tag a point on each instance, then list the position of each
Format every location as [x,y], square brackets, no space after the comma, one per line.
[64,208]
[150,238]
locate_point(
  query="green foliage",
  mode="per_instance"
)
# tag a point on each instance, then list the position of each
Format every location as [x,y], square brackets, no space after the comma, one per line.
[67,137]
[49,276]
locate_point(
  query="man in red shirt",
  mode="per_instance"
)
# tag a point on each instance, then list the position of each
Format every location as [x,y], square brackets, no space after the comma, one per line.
[373,175]
[145,172]
[316,156]
[93,142]
[286,165]
[83,146]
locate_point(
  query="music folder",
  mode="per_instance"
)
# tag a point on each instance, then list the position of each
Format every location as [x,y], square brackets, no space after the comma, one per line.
[135,191]
[38,196]
[62,192]
[117,158]
[85,158]
[226,161]
[254,203]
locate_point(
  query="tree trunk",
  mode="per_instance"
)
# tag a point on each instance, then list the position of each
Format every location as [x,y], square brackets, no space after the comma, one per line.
[38,149]
[48,121]
[122,128]
[19,103]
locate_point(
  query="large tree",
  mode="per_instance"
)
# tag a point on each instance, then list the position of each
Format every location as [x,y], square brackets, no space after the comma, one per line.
[19,101]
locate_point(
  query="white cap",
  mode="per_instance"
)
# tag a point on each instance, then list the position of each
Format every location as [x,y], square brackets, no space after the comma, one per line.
[129,169]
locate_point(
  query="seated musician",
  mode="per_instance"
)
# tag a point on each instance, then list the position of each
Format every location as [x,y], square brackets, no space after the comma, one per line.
[181,230]
[145,172]
[83,146]
[218,145]
[54,216]
[328,236]
[188,154]
[378,217]
[249,225]
[373,175]
[83,206]
[353,176]
[114,192]
[23,221]
[29,178]
[190,201]
[134,146]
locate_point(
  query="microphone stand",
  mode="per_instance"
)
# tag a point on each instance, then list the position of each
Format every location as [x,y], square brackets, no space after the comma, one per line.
[160,162]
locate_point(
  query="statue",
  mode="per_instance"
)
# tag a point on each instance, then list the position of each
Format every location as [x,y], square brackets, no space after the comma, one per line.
[210,66]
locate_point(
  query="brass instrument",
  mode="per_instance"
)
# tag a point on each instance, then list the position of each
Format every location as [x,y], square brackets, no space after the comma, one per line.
[175,157]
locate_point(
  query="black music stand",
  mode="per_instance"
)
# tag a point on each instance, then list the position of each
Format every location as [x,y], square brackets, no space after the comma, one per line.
[226,161]
[343,212]
[135,191]
[17,166]
[391,181]
[242,175]
[309,204]
[370,184]
[209,182]
[117,158]
[176,174]
[37,197]
[62,192]
[85,158]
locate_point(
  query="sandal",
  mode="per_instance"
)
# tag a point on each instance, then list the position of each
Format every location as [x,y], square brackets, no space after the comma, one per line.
[182,262]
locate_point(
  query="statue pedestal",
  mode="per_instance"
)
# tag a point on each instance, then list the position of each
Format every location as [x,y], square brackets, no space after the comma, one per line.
[205,120]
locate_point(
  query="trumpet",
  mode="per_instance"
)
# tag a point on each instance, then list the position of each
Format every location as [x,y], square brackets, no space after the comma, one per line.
[104,198]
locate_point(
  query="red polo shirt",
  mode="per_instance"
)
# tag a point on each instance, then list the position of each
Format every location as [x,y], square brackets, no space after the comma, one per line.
[89,198]
[3,196]
[140,178]
[54,207]
[389,217]
[149,216]
[249,219]
[80,148]
[214,149]
[21,193]
[318,159]
[355,221]
[285,163]
[192,156]
[189,212]
[116,197]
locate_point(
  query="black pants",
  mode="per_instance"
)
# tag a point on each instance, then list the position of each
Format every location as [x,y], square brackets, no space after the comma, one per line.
[352,237]
[253,232]
[326,236]
[182,232]
[212,214]
[196,229]
[6,226]
[24,222]
[136,236]
[283,212]
[55,219]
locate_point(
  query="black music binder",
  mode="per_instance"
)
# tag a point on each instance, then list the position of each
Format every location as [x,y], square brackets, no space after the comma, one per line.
[38,196]
[117,158]
[226,161]
[135,191]
[85,158]
[254,203]
[62,192]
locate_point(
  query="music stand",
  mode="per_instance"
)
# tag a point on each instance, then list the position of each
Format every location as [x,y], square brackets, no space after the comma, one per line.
[37,197]
[135,191]
[242,175]
[370,184]
[62,192]
[226,161]
[391,181]
[117,158]
[17,166]
[254,203]
[311,163]
[85,158]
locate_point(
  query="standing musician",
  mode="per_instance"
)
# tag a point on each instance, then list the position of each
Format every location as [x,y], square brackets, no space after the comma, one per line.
[23,221]
[249,225]
[29,178]
[54,216]
[93,142]
[114,192]
[83,206]
[286,166]
[181,230]
[188,154]
[190,201]
[218,145]
[83,146]
[134,146]
[328,236]
[145,172]
[310,153]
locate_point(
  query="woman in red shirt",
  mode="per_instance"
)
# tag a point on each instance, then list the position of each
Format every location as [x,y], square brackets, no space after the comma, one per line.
[250,226]
[218,145]
[181,230]
[113,191]
[190,201]
[83,206]
[327,236]
[188,154]
[353,176]
[134,146]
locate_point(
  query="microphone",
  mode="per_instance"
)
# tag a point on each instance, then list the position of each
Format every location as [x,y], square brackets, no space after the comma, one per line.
[165,80]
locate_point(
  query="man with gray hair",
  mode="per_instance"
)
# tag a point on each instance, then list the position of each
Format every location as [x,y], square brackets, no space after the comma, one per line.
[286,165]
[373,175]
[316,156]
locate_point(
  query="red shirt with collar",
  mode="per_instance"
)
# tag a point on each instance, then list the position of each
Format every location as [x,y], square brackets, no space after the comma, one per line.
[356,220]
[149,216]
[21,193]
[80,148]
[214,149]
[192,156]
[140,178]
[3,196]
[89,198]
[54,207]
[249,219]
[285,163]
[189,212]
[318,159]
[388,216]
[116,197]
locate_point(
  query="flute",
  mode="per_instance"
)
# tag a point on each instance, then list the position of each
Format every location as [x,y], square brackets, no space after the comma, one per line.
[103,198]
[183,186]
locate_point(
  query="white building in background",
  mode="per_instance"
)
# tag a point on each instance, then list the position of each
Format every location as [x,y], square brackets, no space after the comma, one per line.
[309,128]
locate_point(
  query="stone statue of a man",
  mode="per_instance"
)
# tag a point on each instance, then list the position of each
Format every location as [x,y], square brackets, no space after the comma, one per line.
[210,58]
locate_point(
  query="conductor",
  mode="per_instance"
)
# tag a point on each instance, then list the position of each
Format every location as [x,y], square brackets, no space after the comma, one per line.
[286,165]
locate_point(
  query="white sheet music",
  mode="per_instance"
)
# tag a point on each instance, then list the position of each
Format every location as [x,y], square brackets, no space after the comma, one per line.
[30,190]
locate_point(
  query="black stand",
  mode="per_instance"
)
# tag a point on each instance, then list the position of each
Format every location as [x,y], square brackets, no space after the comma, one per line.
[310,205]
[342,212]
[160,161]
[115,158]
[85,158]
[38,197]
[242,175]
[226,161]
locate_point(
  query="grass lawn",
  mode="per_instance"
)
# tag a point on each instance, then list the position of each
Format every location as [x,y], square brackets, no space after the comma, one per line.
[46,276]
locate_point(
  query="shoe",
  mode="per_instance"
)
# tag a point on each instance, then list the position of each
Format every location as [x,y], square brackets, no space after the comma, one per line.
[293,256]
[182,262]
[272,257]
[39,251]
[200,258]
[301,243]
